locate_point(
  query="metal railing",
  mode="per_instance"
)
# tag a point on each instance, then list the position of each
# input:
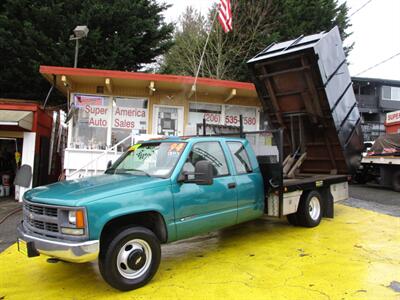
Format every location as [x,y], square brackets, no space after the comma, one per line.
[107,151]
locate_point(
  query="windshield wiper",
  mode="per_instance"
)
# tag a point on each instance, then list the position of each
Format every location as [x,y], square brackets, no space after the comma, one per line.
[110,171]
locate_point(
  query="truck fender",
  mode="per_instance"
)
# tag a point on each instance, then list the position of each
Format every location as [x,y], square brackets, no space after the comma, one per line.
[151,219]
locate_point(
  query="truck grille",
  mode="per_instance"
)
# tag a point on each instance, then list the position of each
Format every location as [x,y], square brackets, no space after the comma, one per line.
[41,219]
[43,225]
[41,210]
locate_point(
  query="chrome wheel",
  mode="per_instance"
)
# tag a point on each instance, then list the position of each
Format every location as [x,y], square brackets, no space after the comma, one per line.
[314,208]
[134,258]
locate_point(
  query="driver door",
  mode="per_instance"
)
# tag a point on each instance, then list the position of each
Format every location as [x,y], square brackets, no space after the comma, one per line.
[203,208]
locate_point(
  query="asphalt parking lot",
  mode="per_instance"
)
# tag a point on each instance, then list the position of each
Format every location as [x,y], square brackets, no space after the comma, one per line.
[374,198]
[10,215]
[353,256]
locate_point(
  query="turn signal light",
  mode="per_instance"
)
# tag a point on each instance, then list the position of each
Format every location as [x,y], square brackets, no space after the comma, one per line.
[80,219]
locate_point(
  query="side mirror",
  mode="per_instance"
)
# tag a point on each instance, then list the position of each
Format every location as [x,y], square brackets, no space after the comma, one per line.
[109,164]
[203,173]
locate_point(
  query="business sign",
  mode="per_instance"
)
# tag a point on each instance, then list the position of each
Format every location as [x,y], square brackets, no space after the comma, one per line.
[98,116]
[227,115]
[213,118]
[393,117]
[123,117]
[199,111]
[249,114]
[129,118]
[82,100]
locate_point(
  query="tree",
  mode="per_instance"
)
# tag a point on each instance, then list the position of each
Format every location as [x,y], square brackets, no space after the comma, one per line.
[295,18]
[123,35]
[189,37]
[253,29]
[256,24]
[224,52]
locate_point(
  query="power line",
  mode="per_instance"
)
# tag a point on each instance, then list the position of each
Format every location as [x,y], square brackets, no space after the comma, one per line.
[365,4]
[378,64]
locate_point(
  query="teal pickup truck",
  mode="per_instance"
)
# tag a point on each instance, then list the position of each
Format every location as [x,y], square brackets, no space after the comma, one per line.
[158,192]
[169,189]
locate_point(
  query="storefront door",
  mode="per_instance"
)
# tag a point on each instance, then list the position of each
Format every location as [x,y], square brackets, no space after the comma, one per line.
[168,120]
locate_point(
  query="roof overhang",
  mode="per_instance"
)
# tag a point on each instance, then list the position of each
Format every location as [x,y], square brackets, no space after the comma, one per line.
[382,81]
[16,118]
[69,79]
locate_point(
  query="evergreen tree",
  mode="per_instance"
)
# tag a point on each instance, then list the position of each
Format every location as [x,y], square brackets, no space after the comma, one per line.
[295,18]
[124,35]
[190,37]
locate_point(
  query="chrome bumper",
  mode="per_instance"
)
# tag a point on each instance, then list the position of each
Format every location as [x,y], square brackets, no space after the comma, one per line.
[77,252]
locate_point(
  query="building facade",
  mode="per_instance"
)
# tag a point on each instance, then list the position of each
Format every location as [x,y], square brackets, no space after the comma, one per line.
[106,108]
[25,133]
[375,98]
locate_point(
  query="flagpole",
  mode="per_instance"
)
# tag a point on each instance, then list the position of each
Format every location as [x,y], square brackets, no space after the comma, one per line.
[204,49]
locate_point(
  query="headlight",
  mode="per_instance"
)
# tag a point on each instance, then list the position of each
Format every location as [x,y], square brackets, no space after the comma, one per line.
[72,217]
[77,218]
[76,222]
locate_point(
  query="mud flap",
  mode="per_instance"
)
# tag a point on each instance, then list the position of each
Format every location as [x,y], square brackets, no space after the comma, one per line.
[328,203]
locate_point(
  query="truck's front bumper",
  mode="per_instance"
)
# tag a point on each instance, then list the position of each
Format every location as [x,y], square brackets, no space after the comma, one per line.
[77,252]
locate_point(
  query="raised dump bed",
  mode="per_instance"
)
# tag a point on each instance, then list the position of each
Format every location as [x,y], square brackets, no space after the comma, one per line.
[305,88]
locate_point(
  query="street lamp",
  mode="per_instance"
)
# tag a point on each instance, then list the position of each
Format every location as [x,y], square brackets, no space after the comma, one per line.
[79,33]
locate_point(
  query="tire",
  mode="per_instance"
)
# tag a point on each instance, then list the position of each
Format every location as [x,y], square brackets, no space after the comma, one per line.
[130,260]
[309,212]
[396,181]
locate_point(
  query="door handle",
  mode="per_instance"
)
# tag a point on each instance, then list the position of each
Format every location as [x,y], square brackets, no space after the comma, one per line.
[231,185]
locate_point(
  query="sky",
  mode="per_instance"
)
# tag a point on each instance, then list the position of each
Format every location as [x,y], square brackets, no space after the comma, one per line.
[376,33]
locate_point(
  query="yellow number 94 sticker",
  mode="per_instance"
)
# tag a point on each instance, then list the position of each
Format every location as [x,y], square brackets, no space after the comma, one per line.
[134,147]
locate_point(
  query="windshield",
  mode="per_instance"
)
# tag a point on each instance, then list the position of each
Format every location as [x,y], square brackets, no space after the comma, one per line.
[151,159]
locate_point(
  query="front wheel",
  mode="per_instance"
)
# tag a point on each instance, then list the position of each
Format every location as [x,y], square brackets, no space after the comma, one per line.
[131,259]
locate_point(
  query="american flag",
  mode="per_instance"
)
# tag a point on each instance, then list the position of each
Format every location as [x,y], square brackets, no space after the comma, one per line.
[225,15]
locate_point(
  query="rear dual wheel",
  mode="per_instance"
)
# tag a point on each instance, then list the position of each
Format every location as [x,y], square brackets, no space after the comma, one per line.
[309,212]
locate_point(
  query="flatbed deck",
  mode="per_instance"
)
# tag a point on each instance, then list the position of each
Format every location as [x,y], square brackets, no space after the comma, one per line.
[311,180]
[381,159]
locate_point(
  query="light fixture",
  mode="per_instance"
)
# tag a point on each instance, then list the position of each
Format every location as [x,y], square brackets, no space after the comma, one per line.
[64,80]
[152,88]
[80,32]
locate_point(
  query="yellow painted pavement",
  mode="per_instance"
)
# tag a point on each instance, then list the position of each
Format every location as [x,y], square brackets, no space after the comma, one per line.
[354,256]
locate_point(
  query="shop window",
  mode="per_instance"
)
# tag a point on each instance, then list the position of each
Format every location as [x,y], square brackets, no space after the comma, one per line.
[97,118]
[391,93]
[249,114]
[211,112]
[218,114]
[167,120]
[199,111]
[91,115]
[129,115]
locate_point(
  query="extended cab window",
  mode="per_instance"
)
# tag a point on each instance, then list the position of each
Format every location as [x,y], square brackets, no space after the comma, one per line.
[240,157]
[210,151]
